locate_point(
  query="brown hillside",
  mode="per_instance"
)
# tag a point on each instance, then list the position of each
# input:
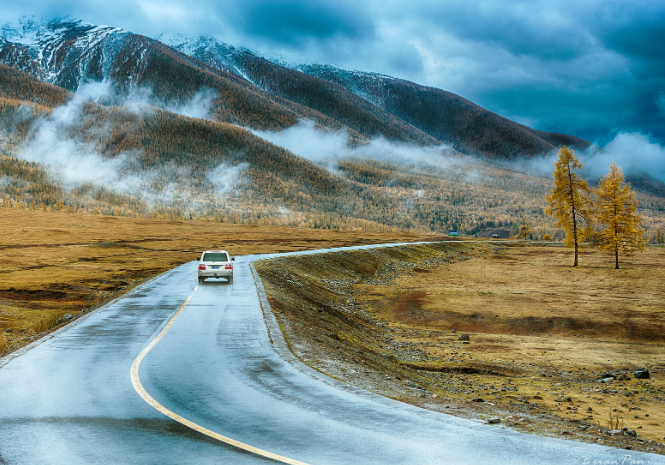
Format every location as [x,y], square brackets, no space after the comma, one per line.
[447,117]
[17,85]
[466,126]
[275,186]
[332,100]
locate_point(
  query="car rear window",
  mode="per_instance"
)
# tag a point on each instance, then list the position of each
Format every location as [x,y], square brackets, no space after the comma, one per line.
[215,257]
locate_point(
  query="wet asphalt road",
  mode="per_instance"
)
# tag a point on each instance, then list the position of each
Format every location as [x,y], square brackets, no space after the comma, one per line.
[70,400]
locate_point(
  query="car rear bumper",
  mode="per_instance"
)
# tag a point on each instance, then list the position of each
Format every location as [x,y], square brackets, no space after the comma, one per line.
[215,273]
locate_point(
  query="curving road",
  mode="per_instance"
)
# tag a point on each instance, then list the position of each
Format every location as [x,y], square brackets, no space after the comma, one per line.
[70,398]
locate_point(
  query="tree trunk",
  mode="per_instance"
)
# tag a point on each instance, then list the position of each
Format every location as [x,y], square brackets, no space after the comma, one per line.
[572,201]
[616,257]
[575,235]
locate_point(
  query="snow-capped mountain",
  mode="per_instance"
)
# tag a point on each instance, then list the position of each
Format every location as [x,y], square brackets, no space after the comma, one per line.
[263,93]
[210,51]
[50,49]
[240,60]
[443,116]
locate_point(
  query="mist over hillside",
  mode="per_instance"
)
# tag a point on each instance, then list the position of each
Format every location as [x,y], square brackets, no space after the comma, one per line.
[101,120]
[261,94]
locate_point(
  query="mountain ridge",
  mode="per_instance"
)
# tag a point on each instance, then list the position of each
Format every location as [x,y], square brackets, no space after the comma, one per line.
[258,93]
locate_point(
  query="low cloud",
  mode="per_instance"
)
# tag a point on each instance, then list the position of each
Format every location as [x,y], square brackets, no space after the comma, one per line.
[73,161]
[326,148]
[227,177]
[633,152]
[199,106]
[76,162]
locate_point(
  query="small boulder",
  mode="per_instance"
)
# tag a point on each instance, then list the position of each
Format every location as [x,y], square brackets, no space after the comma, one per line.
[632,433]
[607,377]
[494,421]
[9,330]
[464,337]
[64,319]
[642,373]
[478,399]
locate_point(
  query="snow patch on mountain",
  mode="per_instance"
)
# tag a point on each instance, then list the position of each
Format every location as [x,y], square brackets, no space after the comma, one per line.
[210,51]
[235,59]
[54,44]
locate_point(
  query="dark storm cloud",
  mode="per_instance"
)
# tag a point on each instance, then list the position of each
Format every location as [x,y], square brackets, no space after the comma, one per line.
[519,28]
[635,32]
[585,68]
[291,22]
[588,68]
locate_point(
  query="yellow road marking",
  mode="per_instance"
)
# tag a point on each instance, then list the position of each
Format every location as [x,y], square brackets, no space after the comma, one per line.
[134,373]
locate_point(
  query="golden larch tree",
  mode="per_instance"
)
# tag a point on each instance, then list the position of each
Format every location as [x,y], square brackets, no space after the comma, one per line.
[615,208]
[569,202]
[525,230]
[659,238]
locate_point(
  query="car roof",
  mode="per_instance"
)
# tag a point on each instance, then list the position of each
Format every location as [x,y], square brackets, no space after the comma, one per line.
[216,251]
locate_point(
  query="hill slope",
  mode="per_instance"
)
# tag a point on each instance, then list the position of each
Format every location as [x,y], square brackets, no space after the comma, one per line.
[152,162]
[446,116]
[262,94]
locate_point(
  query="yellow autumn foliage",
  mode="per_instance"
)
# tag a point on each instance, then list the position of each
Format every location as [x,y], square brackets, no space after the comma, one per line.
[616,207]
[569,202]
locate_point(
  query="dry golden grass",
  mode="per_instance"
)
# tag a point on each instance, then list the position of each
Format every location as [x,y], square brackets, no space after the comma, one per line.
[552,328]
[55,263]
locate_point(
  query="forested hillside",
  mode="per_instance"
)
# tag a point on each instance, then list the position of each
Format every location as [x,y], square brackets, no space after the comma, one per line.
[127,151]
[261,94]
[172,166]
[447,117]
[17,85]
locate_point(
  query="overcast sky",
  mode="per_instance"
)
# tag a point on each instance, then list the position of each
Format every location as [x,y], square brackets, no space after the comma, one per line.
[586,68]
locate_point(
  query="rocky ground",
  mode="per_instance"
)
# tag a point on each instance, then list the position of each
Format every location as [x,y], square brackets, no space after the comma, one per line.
[333,314]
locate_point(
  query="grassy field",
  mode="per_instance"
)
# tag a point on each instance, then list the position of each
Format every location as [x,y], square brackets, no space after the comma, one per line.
[528,312]
[57,263]
[541,333]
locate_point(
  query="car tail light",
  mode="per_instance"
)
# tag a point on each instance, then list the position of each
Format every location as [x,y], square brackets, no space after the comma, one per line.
[202,266]
[228,266]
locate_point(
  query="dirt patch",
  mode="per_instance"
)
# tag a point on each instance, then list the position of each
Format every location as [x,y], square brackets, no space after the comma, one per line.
[409,307]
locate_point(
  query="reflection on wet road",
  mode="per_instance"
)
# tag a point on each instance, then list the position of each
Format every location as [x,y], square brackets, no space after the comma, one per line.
[70,400]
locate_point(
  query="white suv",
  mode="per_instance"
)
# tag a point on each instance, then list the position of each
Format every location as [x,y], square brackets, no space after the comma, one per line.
[215,264]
